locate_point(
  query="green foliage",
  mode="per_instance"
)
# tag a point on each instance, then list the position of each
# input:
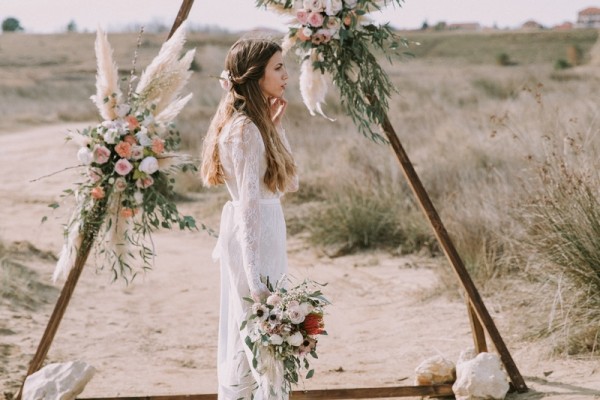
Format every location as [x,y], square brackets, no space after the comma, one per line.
[11,24]
[355,218]
[72,26]
[503,59]
[350,60]
[561,64]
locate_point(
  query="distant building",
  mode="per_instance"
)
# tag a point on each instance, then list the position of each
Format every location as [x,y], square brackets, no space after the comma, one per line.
[589,18]
[565,26]
[532,25]
[467,26]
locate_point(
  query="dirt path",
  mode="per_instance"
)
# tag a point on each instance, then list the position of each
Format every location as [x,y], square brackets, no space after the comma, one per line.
[158,336]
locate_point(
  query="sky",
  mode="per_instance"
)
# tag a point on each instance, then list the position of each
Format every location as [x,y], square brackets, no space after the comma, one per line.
[50,16]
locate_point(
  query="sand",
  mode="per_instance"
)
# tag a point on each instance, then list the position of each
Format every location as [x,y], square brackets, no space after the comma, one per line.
[157,336]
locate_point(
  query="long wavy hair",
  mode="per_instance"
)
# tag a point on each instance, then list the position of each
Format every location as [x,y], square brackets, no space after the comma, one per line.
[246,62]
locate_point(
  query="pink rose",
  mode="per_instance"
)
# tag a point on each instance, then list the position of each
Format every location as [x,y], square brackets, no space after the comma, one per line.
[130,139]
[123,149]
[315,19]
[123,167]
[97,192]
[326,35]
[137,152]
[302,35]
[143,183]
[101,154]
[132,122]
[302,16]
[158,145]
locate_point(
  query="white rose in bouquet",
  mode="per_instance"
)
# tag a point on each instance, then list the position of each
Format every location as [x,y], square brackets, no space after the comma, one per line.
[149,165]
[296,339]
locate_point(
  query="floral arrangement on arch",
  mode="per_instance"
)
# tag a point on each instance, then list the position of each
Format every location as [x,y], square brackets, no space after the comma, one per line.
[285,327]
[336,37]
[128,159]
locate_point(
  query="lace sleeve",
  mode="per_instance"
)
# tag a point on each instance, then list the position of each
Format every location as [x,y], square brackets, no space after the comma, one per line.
[246,150]
[293,185]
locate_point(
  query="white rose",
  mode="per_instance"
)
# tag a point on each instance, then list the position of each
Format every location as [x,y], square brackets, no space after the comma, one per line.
[276,339]
[85,156]
[350,3]
[111,135]
[333,7]
[149,165]
[138,197]
[273,299]
[306,308]
[314,5]
[295,340]
[295,314]
[143,138]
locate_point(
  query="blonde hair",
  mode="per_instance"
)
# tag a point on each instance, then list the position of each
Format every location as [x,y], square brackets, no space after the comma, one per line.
[246,62]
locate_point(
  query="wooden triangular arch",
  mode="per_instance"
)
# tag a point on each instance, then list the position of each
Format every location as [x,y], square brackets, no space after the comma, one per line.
[481,321]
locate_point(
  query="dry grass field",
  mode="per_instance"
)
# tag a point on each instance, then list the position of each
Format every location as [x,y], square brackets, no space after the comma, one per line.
[508,153]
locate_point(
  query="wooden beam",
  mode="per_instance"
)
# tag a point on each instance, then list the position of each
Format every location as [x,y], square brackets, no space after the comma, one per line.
[476,330]
[325,394]
[483,316]
[182,15]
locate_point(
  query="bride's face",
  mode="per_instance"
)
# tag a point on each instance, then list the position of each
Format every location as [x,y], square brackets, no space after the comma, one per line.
[275,78]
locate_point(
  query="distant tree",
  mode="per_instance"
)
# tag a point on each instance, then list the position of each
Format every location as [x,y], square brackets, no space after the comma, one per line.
[11,24]
[425,26]
[72,26]
[440,26]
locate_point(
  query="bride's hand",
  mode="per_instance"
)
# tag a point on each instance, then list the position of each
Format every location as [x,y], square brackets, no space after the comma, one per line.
[277,109]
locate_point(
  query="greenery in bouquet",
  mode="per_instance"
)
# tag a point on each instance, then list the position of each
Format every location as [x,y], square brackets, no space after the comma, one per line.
[128,160]
[282,331]
[336,37]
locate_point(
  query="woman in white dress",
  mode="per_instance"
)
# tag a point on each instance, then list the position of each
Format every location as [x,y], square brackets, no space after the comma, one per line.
[247,150]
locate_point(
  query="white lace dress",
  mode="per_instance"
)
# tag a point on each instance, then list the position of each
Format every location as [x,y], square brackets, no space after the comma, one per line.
[252,243]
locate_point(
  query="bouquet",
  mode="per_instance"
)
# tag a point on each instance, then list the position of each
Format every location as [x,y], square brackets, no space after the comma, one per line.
[127,160]
[335,37]
[282,332]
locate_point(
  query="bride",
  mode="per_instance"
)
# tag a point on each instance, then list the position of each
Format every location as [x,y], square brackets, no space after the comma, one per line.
[247,150]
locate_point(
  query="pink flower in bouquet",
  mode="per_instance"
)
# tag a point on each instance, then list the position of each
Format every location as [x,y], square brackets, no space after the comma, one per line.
[348,19]
[137,152]
[333,24]
[123,167]
[325,34]
[132,122]
[158,145]
[333,7]
[315,19]
[274,299]
[97,192]
[304,34]
[307,345]
[313,324]
[101,154]
[120,184]
[302,16]
[123,149]
[130,139]
[127,212]
[318,38]
[144,183]
[294,312]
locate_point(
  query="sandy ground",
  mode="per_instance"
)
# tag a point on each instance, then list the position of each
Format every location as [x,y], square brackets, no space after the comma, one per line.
[158,335]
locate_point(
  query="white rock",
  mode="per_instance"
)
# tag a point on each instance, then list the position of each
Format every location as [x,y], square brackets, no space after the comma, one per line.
[480,378]
[60,381]
[435,370]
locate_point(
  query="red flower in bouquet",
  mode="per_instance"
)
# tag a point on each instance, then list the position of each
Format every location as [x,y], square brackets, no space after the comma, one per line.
[313,324]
